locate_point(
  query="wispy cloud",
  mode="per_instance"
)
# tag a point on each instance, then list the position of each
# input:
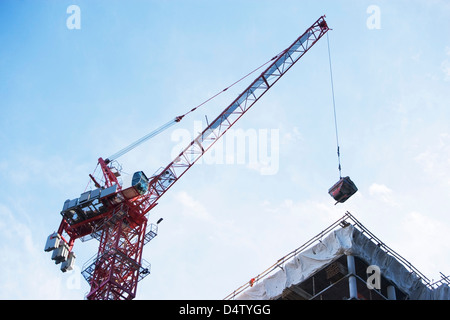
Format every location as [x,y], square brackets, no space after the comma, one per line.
[435,160]
[26,270]
[382,193]
[192,208]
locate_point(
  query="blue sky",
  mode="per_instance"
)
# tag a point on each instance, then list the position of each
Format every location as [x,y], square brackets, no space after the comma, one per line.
[68,97]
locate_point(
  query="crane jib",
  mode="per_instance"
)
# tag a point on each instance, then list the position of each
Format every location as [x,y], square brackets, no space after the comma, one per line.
[274,71]
[226,119]
[217,128]
[296,46]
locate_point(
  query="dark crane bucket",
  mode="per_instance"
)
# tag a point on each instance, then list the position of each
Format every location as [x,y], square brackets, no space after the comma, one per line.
[342,190]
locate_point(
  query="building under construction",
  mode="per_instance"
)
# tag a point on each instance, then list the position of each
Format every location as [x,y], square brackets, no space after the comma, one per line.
[343,262]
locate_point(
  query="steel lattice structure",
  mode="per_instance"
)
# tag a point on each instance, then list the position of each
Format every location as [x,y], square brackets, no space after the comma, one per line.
[118,218]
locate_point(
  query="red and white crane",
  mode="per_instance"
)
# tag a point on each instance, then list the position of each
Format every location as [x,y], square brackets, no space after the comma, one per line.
[118,217]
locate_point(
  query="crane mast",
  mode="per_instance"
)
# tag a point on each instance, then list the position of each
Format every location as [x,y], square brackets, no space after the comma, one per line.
[117,217]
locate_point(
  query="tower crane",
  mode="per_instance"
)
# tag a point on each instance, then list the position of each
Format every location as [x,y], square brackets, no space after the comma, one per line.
[118,217]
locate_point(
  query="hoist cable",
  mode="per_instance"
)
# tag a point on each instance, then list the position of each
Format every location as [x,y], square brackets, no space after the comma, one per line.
[334,109]
[179,118]
[234,83]
[142,140]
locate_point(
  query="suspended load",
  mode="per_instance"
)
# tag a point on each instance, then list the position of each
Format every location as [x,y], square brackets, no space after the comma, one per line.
[342,190]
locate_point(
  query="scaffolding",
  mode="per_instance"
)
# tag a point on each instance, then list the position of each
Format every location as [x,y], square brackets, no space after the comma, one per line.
[345,273]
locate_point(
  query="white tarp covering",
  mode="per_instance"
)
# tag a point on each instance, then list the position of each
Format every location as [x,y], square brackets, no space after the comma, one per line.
[348,241]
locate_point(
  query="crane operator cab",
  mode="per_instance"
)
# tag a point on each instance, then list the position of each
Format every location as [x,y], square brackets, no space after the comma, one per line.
[342,190]
[140,182]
